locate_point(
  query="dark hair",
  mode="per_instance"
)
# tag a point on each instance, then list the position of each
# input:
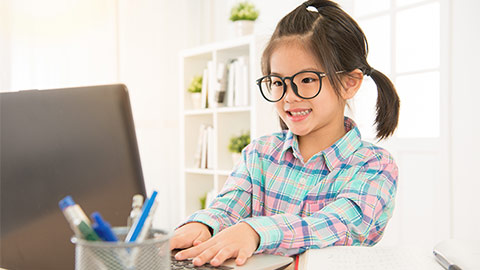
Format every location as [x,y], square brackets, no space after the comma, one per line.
[339,45]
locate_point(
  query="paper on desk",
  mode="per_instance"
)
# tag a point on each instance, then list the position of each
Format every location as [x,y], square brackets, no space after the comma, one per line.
[368,258]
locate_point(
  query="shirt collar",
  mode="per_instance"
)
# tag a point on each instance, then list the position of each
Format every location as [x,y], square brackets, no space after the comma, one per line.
[342,149]
[334,155]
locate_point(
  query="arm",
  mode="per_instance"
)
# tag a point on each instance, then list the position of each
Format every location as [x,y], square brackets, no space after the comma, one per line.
[357,216]
[232,204]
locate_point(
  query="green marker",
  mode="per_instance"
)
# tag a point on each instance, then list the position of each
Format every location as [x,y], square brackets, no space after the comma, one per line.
[87,232]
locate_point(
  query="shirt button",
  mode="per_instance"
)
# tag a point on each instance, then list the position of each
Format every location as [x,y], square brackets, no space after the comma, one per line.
[303,181]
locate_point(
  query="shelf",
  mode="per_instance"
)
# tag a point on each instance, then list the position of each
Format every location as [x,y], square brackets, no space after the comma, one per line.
[198,112]
[233,109]
[226,122]
[218,110]
[200,171]
[208,171]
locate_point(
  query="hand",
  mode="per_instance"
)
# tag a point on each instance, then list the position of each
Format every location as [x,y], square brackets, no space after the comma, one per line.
[239,240]
[190,234]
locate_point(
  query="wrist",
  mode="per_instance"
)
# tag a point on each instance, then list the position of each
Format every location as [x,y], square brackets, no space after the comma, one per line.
[253,233]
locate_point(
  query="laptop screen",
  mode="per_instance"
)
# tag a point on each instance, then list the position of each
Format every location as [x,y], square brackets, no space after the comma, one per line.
[53,143]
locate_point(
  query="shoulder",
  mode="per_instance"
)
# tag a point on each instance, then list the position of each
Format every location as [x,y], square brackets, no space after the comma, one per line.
[268,144]
[375,160]
[371,152]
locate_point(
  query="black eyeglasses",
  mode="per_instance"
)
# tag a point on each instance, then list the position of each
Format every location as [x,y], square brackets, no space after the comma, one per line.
[305,84]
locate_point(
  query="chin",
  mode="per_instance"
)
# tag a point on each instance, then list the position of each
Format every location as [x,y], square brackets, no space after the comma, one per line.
[298,131]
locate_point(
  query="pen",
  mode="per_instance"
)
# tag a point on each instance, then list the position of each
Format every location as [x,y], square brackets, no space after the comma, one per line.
[102,228]
[137,202]
[444,262]
[148,223]
[138,225]
[74,215]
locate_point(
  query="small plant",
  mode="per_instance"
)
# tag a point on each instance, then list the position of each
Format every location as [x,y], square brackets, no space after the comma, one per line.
[195,85]
[203,201]
[237,143]
[244,11]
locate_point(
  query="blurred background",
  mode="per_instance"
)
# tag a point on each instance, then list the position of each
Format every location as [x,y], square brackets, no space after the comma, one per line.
[427,47]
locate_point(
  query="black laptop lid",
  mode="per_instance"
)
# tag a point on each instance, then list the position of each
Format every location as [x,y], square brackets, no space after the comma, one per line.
[76,141]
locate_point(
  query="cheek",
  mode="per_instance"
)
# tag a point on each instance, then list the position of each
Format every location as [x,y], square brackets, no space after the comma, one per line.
[279,108]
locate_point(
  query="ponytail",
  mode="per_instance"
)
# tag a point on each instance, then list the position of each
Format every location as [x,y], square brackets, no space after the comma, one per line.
[388,104]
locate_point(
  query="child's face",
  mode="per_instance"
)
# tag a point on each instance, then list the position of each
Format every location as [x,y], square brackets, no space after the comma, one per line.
[305,116]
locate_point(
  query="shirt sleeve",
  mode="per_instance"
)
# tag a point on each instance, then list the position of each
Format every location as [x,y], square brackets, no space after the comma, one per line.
[357,216]
[232,204]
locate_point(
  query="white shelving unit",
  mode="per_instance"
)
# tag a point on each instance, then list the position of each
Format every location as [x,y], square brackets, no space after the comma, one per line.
[259,117]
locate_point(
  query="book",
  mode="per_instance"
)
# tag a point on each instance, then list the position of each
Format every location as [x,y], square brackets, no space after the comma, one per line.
[231,84]
[372,258]
[204,89]
[197,160]
[210,142]
[241,82]
[203,158]
[221,86]
[212,84]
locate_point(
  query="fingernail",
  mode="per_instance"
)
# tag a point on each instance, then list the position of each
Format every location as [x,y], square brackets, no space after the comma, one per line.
[178,256]
[197,261]
[214,262]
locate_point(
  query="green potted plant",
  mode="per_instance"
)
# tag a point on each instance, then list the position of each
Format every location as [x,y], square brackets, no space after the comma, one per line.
[236,145]
[195,90]
[243,15]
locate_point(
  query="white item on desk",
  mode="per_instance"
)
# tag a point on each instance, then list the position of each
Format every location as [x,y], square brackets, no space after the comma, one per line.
[368,258]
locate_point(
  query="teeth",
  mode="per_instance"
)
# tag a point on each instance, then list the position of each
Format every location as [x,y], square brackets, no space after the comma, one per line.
[300,113]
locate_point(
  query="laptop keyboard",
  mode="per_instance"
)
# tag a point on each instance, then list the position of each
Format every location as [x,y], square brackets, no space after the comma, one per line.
[187,264]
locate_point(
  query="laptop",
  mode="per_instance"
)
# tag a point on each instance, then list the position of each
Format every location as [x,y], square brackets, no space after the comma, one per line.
[256,262]
[76,141]
[73,141]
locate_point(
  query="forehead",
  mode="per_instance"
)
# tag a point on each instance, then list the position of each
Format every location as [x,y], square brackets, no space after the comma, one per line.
[291,56]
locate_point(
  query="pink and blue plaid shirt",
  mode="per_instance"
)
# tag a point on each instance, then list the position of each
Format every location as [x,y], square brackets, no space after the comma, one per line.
[343,195]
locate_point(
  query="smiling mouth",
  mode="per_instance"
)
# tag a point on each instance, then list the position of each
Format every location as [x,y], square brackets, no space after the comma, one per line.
[299,113]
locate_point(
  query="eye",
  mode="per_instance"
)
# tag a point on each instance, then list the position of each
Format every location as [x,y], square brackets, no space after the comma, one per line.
[277,82]
[308,80]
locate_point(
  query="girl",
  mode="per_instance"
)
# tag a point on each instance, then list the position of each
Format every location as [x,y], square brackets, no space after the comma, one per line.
[316,183]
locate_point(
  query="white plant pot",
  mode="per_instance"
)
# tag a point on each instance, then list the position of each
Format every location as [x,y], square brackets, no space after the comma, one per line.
[243,27]
[236,157]
[196,100]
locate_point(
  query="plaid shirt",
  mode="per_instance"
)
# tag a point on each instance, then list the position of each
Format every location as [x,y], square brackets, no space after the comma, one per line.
[343,195]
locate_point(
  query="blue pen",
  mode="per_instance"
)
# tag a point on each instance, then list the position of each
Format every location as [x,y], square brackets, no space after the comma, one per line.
[138,225]
[102,228]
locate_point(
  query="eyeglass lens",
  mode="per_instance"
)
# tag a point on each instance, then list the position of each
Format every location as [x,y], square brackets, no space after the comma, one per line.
[307,85]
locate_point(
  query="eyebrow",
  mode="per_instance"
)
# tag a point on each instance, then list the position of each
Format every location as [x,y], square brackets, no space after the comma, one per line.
[305,69]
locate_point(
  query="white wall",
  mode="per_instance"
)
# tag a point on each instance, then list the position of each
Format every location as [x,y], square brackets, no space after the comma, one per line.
[57,43]
[465,96]
[151,34]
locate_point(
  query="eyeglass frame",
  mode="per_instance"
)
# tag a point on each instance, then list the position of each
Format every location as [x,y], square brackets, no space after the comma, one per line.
[294,86]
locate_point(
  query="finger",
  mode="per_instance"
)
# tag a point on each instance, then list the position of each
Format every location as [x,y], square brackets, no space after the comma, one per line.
[197,242]
[222,255]
[205,256]
[242,257]
[176,242]
[201,238]
[193,251]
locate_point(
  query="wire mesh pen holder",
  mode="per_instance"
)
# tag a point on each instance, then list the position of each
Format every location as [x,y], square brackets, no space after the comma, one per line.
[152,253]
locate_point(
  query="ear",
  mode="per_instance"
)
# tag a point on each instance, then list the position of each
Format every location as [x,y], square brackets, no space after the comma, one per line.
[352,82]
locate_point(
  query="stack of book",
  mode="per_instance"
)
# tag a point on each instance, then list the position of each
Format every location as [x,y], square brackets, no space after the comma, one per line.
[204,154]
[226,84]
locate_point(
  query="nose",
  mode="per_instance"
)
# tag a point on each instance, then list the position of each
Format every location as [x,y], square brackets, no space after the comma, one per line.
[290,96]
